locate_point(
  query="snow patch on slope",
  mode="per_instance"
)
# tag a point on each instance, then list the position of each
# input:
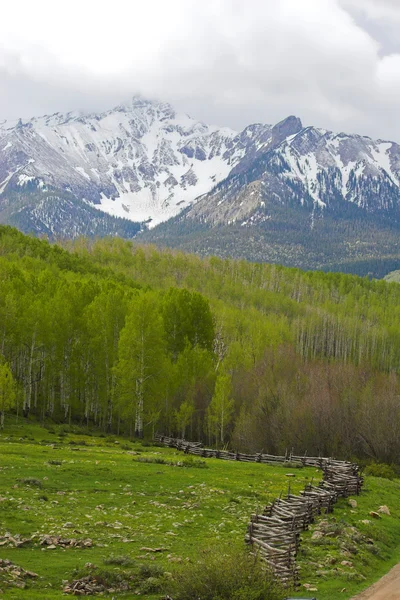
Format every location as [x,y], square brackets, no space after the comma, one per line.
[140,161]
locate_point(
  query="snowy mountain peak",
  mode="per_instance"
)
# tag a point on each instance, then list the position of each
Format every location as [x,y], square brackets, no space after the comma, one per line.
[289,126]
[310,168]
[141,160]
[146,162]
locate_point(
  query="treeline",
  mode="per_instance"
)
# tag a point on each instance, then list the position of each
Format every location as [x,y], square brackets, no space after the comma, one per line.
[132,339]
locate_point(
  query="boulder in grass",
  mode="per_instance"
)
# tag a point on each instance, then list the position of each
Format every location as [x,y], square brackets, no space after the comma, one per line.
[384,510]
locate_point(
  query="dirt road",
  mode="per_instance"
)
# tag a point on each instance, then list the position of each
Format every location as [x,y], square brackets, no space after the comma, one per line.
[387,588]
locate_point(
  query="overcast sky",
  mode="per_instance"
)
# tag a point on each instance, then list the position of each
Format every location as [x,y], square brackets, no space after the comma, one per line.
[334,63]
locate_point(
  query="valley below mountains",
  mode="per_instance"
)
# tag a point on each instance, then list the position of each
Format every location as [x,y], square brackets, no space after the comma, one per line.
[284,193]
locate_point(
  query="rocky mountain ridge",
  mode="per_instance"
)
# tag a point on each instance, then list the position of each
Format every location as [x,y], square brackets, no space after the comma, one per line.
[141,161]
[195,186]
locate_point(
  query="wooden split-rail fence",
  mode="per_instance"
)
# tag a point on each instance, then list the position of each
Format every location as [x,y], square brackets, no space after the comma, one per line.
[275,534]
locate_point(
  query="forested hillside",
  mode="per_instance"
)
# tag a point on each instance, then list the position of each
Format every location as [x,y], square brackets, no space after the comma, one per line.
[132,339]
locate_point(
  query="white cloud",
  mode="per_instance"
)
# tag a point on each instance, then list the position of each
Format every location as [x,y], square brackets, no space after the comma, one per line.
[385,10]
[225,61]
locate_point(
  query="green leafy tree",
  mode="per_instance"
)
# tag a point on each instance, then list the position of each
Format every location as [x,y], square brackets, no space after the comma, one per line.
[220,410]
[194,380]
[8,392]
[105,318]
[187,318]
[183,416]
[141,360]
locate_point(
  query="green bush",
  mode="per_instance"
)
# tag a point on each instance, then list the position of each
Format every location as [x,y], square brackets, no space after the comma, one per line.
[380,470]
[224,576]
[31,481]
[151,585]
[152,459]
[195,463]
[147,570]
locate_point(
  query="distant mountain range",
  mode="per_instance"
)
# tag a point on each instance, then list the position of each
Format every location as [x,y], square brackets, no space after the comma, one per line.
[285,193]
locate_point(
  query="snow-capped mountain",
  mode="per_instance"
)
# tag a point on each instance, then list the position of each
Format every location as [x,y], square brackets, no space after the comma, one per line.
[316,169]
[140,161]
[308,197]
[145,163]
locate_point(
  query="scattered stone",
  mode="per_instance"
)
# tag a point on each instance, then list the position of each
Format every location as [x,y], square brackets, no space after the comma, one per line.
[88,586]
[346,563]
[353,503]
[375,515]
[13,575]
[290,475]
[14,540]
[317,535]
[365,522]
[53,541]
[324,523]
[68,525]
[144,549]
[384,510]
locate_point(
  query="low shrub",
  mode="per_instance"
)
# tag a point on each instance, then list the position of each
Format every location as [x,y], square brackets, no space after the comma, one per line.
[380,470]
[224,576]
[147,570]
[151,585]
[32,482]
[152,459]
[190,462]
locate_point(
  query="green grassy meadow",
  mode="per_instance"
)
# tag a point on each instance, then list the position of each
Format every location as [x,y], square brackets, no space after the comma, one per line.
[161,510]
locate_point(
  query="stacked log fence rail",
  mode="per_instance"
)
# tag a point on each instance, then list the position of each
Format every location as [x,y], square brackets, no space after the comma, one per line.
[275,534]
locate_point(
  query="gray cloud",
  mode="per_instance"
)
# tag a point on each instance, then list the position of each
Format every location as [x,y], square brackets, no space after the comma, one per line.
[334,63]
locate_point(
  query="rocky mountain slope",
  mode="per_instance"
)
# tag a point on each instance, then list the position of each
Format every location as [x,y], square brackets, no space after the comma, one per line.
[140,161]
[286,193]
[316,200]
[312,168]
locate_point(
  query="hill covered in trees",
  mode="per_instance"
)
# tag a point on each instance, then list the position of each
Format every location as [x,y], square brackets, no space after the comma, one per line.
[132,339]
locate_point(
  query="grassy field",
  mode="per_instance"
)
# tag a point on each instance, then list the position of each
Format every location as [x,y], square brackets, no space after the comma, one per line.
[144,511]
